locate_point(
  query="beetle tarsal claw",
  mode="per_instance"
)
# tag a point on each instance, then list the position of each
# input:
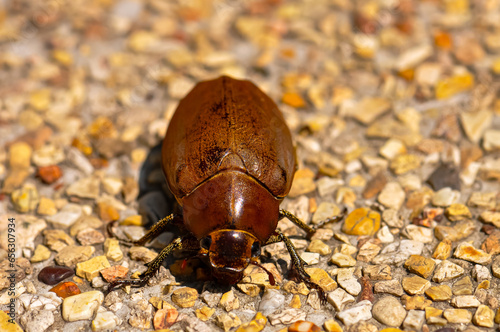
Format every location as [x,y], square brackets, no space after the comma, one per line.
[111,233]
[120,283]
[301,275]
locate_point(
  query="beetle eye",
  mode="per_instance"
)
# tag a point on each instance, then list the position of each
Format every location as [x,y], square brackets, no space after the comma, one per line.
[206,242]
[256,249]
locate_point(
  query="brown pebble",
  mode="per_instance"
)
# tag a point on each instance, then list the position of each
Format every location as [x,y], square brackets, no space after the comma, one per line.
[99,163]
[366,290]
[492,243]
[51,275]
[446,175]
[488,229]
[365,24]
[375,185]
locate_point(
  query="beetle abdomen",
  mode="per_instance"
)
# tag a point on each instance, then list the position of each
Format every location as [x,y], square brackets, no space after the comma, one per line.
[231,124]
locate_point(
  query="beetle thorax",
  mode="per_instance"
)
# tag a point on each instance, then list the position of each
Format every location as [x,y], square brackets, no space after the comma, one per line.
[231,200]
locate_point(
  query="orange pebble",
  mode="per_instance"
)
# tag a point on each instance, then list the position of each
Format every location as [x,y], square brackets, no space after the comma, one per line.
[65,289]
[443,40]
[49,174]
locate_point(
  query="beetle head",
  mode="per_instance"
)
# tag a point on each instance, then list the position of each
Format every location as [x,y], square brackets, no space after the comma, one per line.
[229,252]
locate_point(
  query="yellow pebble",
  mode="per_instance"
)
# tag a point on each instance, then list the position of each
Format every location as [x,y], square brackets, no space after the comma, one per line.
[40,99]
[362,221]
[451,86]
[135,220]
[63,57]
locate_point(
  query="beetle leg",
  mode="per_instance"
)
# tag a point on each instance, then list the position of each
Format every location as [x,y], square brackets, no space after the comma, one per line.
[156,230]
[297,262]
[154,265]
[308,229]
[293,218]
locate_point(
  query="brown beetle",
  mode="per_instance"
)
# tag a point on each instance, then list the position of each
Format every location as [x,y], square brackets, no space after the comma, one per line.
[229,160]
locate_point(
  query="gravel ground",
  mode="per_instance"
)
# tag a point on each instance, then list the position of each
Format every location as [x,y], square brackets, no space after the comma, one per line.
[394,108]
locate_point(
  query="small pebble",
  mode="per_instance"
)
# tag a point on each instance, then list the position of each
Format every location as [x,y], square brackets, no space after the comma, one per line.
[321,278]
[389,311]
[362,221]
[105,321]
[70,255]
[420,265]
[463,286]
[66,217]
[390,287]
[227,321]
[415,285]
[271,301]
[49,174]
[445,176]
[457,316]
[90,269]
[82,306]
[164,318]
[439,293]
[358,312]
[52,275]
[185,297]
[467,252]
[446,271]
[46,207]
[318,246]
[25,199]
[6,323]
[65,289]
[445,197]
[204,313]
[41,254]
[414,320]
[89,236]
[392,196]
[303,326]
[229,301]
[113,273]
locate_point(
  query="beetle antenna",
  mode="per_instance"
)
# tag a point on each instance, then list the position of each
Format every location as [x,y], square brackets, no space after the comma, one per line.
[269,274]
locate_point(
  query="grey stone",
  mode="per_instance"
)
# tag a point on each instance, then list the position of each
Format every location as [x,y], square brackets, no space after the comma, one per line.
[37,321]
[272,300]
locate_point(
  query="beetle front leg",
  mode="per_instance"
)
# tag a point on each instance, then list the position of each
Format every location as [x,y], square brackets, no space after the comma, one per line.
[308,229]
[297,262]
[156,230]
[154,265]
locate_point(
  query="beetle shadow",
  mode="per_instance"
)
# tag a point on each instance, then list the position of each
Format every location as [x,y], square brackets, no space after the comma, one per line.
[155,198]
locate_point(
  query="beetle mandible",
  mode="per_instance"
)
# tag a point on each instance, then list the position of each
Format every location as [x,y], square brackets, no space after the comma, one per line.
[229,160]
